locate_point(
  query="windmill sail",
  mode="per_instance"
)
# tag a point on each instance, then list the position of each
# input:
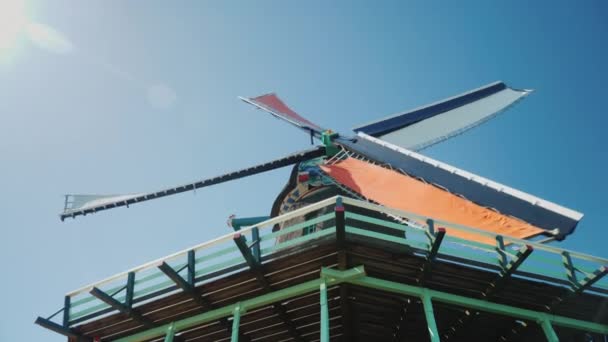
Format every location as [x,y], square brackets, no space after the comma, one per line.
[434,123]
[400,191]
[484,192]
[272,104]
[85,204]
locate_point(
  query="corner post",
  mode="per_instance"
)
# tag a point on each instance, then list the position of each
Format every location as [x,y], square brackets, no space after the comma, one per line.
[324,312]
[130,290]
[340,223]
[66,311]
[236,321]
[255,237]
[430,316]
[191,267]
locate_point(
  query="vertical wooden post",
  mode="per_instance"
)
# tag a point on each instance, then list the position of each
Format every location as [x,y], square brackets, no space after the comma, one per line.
[66,311]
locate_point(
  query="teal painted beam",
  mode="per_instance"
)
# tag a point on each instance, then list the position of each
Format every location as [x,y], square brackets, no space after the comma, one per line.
[331,277]
[357,276]
[236,321]
[430,316]
[480,305]
[170,333]
[346,275]
[324,312]
[549,332]
[238,223]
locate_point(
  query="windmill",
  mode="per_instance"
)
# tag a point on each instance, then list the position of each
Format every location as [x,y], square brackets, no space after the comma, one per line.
[381,163]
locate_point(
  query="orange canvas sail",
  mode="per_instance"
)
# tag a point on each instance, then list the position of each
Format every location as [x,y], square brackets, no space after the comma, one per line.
[400,191]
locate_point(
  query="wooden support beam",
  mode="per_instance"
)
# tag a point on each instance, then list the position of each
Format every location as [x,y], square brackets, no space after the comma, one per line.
[569,268]
[256,268]
[591,279]
[580,287]
[115,304]
[435,238]
[184,285]
[254,265]
[507,270]
[517,260]
[436,243]
[189,288]
[58,328]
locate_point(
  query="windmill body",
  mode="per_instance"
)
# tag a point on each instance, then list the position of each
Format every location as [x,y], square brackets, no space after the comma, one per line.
[368,240]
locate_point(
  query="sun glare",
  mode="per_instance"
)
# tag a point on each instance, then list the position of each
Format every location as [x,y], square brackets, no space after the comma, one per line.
[12,23]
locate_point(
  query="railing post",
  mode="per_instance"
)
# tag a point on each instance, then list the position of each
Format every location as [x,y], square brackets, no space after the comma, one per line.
[255,237]
[130,290]
[570,270]
[324,313]
[236,321]
[170,333]
[340,222]
[430,316]
[66,311]
[500,249]
[340,232]
[431,227]
[549,332]
[191,267]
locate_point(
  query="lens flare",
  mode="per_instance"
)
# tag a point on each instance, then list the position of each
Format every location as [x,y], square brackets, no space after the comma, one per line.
[12,23]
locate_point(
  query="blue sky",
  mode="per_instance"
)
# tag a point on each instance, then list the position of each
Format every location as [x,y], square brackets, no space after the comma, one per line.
[76,115]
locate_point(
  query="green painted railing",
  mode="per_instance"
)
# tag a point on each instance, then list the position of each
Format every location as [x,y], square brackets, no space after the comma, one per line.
[357,276]
[208,260]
